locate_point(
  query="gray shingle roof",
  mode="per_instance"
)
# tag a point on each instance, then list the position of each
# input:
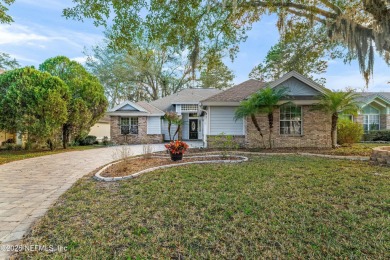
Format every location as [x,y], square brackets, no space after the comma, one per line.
[193,95]
[366,97]
[238,92]
[150,108]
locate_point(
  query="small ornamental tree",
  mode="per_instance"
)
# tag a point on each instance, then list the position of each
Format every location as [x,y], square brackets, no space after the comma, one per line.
[33,103]
[173,119]
[87,102]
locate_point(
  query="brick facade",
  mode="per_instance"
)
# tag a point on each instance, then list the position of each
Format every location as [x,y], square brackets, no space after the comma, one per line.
[141,138]
[316,127]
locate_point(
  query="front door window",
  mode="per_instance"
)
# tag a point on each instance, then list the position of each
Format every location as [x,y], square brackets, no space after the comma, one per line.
[193,128]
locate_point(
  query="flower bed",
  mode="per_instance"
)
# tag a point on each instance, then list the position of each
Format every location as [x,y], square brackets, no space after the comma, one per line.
[134,167]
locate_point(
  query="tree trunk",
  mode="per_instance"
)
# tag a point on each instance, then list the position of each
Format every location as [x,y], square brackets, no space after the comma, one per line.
[271,128]
[333,133]
[65,136]
[51,146]
[254,120]
[177,132]
[169,131]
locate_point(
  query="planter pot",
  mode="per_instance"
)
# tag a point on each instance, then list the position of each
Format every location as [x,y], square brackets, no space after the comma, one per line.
[176,156]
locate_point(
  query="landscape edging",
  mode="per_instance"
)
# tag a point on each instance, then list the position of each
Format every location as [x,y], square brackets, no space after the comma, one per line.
[97,175]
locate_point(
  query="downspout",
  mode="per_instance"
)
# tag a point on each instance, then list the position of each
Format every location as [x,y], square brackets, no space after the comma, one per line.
[205,131]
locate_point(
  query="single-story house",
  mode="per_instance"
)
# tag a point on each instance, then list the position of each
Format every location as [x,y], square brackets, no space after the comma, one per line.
[209,113]
[101,129]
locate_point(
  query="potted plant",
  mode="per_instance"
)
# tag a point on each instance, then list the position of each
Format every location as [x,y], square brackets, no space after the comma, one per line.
[176,149]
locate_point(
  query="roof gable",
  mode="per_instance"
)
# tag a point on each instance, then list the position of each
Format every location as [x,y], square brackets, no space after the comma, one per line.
[298,85]
[128,106]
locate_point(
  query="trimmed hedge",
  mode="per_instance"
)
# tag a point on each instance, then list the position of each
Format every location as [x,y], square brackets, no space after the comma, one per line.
[380,135]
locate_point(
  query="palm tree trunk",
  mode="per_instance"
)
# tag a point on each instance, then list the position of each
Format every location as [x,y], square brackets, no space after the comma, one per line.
[333,134]
[271,128]
[254,120]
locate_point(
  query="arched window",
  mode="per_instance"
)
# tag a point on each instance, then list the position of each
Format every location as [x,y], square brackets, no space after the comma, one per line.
[371,119]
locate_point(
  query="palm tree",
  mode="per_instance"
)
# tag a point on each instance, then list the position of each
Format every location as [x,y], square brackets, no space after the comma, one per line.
[247,108]
[268,100]
[336,103]
[265,100]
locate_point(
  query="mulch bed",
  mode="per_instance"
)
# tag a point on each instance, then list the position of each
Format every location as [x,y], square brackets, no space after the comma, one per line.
[134,165]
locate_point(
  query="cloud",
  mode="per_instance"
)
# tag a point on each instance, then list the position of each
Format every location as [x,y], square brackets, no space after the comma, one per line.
[81,59]
[356,81]
[18,34]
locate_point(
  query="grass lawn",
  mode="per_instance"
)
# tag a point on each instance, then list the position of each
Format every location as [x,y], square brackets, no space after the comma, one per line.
[269,207]
[9,156]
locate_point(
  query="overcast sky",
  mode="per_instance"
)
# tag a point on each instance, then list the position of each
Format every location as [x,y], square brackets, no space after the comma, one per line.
[40,32]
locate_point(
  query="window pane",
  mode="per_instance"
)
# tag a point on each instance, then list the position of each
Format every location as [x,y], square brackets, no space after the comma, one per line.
[124,121]
[291,120]
[134,121]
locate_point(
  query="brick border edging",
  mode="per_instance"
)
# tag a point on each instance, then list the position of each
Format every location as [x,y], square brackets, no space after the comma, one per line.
[98,177]
[339,157]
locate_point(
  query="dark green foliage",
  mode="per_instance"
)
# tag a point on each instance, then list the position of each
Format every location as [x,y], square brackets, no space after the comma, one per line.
[381,135]
[33,102]
[87,102]
[88,140]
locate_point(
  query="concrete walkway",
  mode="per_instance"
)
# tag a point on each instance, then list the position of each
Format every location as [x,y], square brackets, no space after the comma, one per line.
[29,187]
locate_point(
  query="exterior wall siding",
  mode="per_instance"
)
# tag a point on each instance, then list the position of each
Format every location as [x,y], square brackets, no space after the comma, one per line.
[100,130]
[298,88]
[186,126]
[316,128]
[141,138]
[164,130]
[154,125]
[222,121]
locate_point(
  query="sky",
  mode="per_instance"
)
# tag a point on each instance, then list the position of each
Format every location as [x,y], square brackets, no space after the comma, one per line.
[40,32]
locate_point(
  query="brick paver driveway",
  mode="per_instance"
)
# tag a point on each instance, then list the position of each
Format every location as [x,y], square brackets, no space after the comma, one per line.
[30,186]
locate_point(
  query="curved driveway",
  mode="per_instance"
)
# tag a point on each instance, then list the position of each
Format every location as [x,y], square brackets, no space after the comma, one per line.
[29,187]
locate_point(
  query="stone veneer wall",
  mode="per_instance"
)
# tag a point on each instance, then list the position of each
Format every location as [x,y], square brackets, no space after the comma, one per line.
[215,141]
[316,131]
[381,155]
[141,138]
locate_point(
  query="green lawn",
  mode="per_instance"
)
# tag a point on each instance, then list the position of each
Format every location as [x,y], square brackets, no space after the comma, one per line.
[9,156]
[270,207]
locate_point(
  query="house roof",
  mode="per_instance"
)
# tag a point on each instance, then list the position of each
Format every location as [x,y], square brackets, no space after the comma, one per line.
[365,98]
[244,90]
[129,108]
[104,119]
[300,77]
[237,93]
[185,96]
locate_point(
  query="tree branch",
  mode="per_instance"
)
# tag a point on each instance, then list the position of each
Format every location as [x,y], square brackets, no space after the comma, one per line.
[313,9]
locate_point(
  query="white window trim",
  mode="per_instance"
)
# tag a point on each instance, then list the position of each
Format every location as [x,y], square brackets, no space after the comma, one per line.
[368,120]
[280,120]
[130,125]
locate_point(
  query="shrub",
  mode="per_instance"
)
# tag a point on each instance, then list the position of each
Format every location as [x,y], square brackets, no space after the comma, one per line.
[379,135]
[349,132]
[88,140]
[105,141]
